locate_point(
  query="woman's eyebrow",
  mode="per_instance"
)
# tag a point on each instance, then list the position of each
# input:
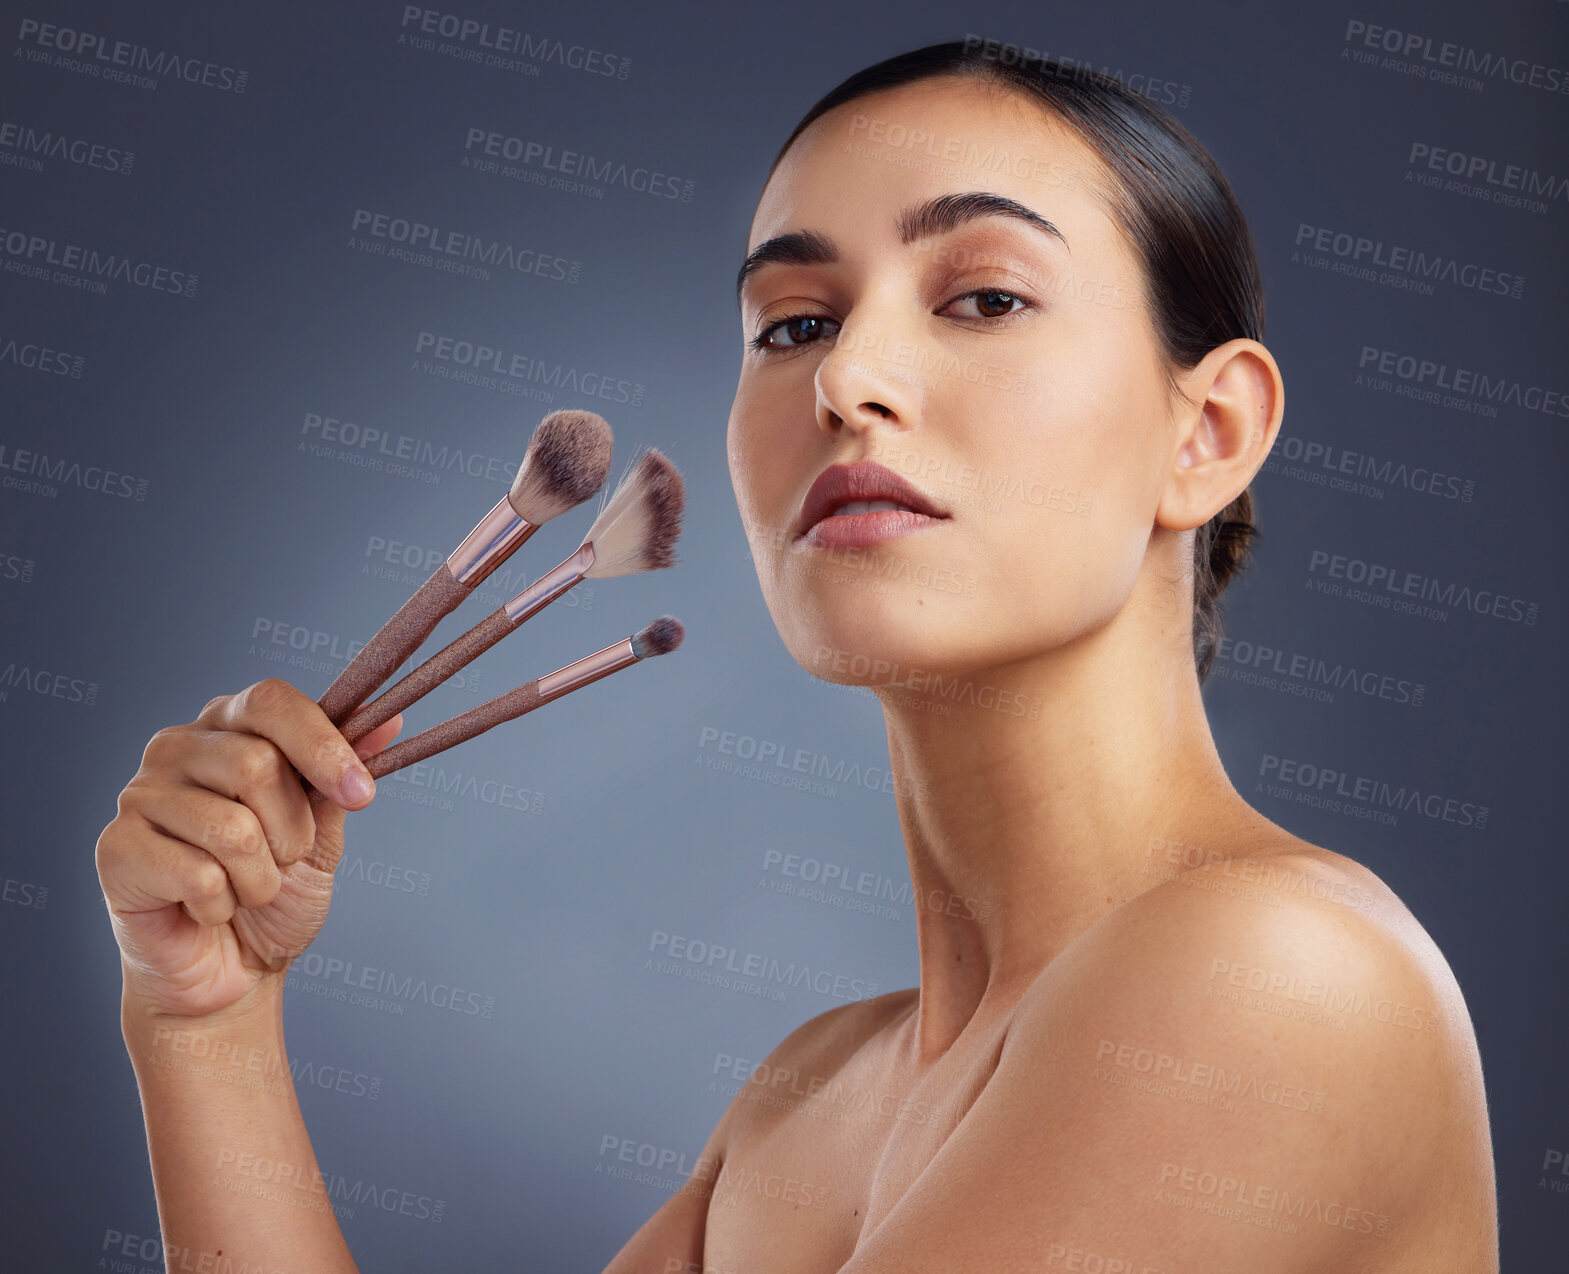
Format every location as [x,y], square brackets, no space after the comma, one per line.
[925,220]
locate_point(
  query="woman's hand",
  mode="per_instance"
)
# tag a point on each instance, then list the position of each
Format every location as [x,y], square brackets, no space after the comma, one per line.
[217,870]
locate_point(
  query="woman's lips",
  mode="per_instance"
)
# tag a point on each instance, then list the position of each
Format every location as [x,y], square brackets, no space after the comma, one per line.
[856,505]
[860,530]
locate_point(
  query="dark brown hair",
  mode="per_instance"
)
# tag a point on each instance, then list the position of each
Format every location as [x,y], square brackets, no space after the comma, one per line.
[1177,210]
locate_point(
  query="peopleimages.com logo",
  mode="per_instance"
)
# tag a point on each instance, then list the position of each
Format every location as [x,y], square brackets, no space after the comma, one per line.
[120,60]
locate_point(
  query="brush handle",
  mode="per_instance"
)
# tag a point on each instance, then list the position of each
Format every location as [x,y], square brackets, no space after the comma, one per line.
[542,690]
[429,675]
[458,730]
[469,647]
[394,642]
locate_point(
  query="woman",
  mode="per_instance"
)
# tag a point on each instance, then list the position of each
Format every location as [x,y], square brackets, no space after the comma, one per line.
[1002,394]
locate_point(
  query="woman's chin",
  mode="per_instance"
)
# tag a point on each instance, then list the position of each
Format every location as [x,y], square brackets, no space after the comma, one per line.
[872,644]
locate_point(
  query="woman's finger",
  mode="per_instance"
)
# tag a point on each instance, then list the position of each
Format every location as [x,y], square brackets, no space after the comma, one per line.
[229,831]
[144,869]
[251,770]
[378,738]
[287,717]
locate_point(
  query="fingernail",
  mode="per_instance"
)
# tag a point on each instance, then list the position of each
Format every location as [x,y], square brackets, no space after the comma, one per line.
[356,786]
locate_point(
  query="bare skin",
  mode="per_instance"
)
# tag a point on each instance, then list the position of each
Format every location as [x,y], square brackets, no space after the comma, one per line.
[1152,1027]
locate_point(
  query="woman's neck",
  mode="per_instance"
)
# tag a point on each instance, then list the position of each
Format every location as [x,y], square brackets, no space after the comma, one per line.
[1031,809]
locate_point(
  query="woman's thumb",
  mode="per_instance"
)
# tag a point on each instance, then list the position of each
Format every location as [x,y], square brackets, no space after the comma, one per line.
[328,847]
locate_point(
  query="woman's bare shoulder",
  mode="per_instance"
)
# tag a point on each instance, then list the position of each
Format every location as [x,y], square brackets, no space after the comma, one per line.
[828,1041]
[1283,980]
[1288,929]
[1285,891]
[811,1056]
[1261,1062]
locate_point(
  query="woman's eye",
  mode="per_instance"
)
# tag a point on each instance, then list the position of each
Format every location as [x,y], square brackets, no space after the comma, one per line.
[990,304]
[796,330]
[787,333]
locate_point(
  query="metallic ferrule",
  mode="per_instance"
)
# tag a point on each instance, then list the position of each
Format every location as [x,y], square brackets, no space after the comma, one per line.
[590,668]
[550,585]
[489,544]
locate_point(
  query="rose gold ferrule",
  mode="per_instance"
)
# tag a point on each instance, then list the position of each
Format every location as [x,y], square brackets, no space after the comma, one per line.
[489,544]
[590,668]
[550,585]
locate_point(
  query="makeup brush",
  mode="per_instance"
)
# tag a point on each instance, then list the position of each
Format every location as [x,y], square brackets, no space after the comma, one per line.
[659,638]
[635,531]
[565,463]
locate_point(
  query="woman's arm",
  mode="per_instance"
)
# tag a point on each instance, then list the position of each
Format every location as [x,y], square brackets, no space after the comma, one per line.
[217,872]
[672,1239]
[232,1162]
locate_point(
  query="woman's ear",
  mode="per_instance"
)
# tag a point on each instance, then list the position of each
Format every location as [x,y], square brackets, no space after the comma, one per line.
[1222,432]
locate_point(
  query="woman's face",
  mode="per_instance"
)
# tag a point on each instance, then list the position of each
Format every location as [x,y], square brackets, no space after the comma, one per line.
[1008,374]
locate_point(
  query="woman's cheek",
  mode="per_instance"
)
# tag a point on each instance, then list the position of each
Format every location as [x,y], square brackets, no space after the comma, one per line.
[761,430]
[745,472]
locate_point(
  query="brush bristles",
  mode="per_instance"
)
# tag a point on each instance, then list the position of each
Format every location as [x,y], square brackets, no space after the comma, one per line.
[566,462]
[659,638]
[639,525]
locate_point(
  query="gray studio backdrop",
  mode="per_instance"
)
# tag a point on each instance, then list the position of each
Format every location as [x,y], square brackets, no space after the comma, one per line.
[234,455]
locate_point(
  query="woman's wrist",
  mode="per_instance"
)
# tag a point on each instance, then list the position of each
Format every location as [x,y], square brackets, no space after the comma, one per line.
[244,1038]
